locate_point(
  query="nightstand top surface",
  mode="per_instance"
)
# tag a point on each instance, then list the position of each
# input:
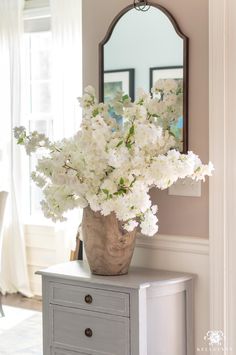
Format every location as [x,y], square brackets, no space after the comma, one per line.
[136,278]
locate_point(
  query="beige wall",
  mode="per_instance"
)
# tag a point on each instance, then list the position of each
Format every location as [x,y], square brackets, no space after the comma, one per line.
[177,215]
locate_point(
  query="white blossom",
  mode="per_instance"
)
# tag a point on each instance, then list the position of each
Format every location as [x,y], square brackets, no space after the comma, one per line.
[130,225]
[112,167]
[165,85]
[149,225]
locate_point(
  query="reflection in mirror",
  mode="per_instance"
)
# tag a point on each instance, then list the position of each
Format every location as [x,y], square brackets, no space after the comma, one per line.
[139,49]
[118,80]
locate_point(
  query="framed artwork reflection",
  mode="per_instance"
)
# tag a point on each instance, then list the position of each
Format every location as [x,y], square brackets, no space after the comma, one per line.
[172,72]
[115,81]
[176,73]
[118,80]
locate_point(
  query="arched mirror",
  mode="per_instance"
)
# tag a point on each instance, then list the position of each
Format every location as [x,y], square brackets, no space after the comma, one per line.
[141,47]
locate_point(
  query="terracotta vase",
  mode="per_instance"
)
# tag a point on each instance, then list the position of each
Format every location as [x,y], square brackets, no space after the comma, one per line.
[109,248]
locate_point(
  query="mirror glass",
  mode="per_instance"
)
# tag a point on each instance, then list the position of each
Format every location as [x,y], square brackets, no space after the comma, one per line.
[140,48]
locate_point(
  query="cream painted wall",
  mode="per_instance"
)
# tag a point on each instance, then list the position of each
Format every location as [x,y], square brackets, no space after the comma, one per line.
[177,215]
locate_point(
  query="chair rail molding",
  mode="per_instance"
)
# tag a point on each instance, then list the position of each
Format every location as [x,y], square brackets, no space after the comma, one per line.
[222,128]
[182,244]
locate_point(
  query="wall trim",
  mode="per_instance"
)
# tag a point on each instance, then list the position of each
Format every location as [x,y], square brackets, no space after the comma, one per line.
[181,244]
[222,124]
[217,142]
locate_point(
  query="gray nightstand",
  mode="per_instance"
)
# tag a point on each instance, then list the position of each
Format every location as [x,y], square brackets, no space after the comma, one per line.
[147,312]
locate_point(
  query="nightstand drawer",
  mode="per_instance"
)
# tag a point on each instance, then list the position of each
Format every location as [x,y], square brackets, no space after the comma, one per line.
[89,332]
[65,352]
[90,299]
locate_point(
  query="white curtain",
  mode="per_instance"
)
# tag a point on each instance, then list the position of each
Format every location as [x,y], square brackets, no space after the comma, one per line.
[66,25]
[13,268]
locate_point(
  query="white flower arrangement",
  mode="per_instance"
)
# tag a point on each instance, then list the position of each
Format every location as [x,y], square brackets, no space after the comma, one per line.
[111,167]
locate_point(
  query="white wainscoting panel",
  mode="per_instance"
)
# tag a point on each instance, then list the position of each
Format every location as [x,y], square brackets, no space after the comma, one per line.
[45,246]
[187,254]
[41,252]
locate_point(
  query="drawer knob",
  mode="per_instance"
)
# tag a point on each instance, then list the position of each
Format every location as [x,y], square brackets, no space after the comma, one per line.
[88,299]
[88,332]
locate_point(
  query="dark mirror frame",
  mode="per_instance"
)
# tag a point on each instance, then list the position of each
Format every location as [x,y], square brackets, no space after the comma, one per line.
[185,63]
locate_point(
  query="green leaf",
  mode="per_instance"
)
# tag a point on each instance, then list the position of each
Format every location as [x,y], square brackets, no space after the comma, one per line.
[131,131]
[95,112]
[20,140]
[141,102]
[125,97]
[107,193]
[118,193]
[119,144]
[122,190]
[122,181]
[131,185]
[171,133]
[129,145]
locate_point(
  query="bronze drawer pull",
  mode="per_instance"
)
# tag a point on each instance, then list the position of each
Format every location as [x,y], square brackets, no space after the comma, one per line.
[88,299]
[88,332]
